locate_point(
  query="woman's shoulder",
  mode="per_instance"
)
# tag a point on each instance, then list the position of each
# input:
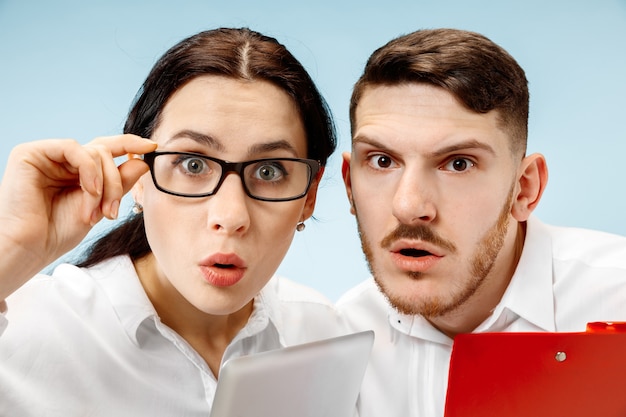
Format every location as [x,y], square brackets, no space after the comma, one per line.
[365,294]
[289,291]
[68,285]
[305,313]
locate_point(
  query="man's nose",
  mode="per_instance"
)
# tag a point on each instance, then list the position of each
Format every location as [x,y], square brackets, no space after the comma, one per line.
[413,200]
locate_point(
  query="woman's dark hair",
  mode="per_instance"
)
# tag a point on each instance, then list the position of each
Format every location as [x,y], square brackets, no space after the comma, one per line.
[479,73]
[236,53]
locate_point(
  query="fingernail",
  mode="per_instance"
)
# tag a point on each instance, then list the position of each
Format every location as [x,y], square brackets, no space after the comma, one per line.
[97,185]
[115,208]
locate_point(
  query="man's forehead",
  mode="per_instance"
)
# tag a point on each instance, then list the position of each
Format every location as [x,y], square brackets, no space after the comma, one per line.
[416,104]
[412,100]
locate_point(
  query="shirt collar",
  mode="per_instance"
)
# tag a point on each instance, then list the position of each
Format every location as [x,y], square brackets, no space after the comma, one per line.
[417,326]
[261,332]
[529,295]
[267,310]
[530,292]
[119,280]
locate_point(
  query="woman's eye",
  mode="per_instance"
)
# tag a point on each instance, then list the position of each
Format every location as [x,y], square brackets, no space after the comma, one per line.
[194,165]
[458,165]
[269,172]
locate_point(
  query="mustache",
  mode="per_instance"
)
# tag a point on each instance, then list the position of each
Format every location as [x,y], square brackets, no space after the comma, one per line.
[419,232]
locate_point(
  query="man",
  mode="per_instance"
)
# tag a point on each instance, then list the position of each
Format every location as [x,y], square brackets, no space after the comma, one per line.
[443,193]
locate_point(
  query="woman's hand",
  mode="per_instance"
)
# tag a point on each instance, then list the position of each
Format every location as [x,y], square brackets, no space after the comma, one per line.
[53,192]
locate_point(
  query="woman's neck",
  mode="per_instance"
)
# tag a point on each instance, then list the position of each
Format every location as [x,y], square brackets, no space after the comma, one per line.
[208,334]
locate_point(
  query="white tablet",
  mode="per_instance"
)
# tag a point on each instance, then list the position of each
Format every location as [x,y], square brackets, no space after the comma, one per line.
[316,379]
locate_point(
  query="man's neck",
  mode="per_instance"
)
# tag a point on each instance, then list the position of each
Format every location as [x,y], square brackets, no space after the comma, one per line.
[483,302]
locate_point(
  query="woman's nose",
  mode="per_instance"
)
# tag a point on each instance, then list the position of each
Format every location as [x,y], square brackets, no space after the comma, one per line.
[228,207]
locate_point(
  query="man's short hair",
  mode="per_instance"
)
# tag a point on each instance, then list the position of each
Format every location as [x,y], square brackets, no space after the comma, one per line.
[479,73]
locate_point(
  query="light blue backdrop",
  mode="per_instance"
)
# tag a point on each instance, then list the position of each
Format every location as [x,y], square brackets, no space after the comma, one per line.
[70,68]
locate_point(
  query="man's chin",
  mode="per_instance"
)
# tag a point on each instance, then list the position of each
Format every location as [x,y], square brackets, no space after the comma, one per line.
[411,296]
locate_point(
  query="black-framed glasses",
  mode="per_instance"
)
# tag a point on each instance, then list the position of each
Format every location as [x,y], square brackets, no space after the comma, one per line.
[188,174]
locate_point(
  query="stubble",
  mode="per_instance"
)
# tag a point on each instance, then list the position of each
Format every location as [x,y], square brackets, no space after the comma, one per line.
[480,265]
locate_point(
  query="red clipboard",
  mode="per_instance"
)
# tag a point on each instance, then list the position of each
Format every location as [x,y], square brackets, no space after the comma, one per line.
[539,374]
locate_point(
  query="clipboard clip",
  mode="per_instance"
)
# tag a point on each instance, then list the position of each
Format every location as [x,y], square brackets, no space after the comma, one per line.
[606,327]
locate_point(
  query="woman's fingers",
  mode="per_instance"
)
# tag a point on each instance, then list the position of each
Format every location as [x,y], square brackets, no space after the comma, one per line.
[115,182]
[63,173]
[124,144]
[54,190]
[130,171]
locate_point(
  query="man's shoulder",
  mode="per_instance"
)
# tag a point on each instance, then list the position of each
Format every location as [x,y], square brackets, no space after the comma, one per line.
[593,247]
[595,235]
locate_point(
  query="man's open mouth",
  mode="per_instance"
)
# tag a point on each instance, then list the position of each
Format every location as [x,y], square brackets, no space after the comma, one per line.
[415,253]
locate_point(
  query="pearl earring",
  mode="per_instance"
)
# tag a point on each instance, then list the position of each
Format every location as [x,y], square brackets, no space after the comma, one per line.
[137,208]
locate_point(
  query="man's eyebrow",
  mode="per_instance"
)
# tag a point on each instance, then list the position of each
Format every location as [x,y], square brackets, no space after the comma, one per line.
[369,141]
[456,147]
[201,138]
[462,146]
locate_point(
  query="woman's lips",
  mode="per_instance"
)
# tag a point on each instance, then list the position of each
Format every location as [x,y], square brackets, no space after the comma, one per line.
[223,270]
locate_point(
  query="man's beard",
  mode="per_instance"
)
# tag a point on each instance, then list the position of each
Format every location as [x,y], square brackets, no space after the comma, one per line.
[482,262]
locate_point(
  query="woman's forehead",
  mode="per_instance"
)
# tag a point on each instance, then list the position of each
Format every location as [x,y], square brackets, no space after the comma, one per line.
[218,111]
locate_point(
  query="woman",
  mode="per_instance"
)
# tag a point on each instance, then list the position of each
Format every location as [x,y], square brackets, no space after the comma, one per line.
[143,323]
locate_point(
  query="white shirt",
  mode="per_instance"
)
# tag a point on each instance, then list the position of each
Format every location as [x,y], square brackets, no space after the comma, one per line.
[89,343]
[566,278]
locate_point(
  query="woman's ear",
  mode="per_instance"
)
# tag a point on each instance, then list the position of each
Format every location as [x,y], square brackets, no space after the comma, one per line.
[311,196]
[345,173]
[137,191]
[532,181]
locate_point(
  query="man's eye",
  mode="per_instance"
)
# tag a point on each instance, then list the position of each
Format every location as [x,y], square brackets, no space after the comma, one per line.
[381,161]
[458,165]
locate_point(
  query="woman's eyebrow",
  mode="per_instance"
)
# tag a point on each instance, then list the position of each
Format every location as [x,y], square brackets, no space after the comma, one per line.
[272,146]
[213,143]
[201,138]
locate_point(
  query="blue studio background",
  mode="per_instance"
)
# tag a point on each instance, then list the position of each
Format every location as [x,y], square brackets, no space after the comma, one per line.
[70,68]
